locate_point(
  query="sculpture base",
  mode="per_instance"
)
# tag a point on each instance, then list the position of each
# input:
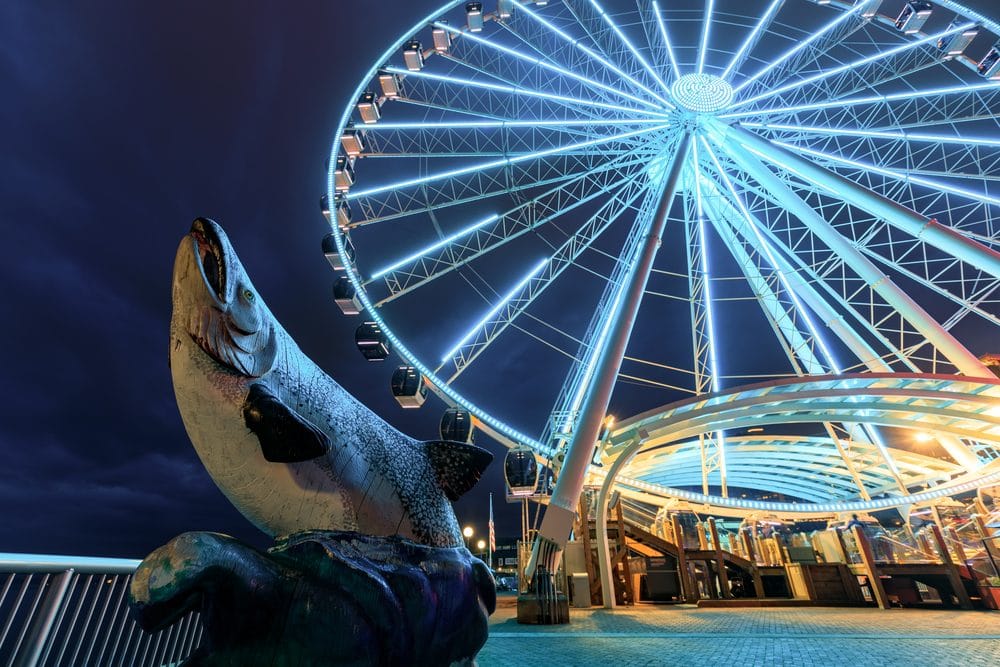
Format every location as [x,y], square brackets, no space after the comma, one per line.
[319,598]
[533,609]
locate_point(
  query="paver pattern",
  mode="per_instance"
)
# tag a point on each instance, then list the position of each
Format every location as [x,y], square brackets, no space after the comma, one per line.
[686,635]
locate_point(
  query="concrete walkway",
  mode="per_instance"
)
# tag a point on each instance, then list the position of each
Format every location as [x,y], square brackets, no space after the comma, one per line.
[685,635]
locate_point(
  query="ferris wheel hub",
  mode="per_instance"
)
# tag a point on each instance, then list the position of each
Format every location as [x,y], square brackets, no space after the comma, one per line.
[702,93]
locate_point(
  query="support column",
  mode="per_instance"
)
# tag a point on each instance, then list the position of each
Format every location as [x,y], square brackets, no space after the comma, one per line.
[558,521]
[929,230]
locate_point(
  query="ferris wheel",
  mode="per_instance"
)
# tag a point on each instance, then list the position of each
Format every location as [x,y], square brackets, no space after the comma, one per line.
[820,180]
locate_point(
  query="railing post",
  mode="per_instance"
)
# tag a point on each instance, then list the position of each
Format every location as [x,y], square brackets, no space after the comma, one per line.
[45,622]
[719,560]
[687,586]
[952,570]
[871,569]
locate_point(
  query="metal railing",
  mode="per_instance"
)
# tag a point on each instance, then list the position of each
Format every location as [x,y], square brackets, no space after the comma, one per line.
[69,610]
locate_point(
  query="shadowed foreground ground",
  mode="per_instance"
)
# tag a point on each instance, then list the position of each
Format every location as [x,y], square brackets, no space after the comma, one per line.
[685,635]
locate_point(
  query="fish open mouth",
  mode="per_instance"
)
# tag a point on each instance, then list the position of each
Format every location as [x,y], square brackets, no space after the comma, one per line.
[210,256]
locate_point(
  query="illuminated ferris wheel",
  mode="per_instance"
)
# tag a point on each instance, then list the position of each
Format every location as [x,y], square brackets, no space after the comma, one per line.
[544,207]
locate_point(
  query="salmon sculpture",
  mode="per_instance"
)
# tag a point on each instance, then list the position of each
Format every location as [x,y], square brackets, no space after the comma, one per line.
[366,537]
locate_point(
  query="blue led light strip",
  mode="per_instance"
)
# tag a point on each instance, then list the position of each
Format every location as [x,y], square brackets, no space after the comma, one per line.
[514,90]
[496,309]
[899,176]
[436,246]
[662,25]
[503,162]
[764,21]
[538,62]
[631,47]
[873,99]
[707,27]
[802,45]
[594,55]
[853,65]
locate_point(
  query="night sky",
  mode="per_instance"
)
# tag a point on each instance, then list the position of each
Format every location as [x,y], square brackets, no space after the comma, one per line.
[122,122]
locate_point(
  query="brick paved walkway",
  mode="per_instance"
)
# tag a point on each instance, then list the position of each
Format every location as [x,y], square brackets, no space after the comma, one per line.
[683,635]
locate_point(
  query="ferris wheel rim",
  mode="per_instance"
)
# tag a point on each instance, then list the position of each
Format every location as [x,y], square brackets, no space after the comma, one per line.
[493,425]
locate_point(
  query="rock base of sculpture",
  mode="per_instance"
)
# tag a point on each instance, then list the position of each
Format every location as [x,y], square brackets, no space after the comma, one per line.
[319,598]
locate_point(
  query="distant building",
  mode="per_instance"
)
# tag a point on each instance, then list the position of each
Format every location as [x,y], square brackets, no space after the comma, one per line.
[505,556]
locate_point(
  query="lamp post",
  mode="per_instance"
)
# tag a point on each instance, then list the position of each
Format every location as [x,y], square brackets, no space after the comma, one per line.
[481,547]
[467,534]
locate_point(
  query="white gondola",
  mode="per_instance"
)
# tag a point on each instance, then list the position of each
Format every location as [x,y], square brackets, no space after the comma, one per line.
[372,342]
[456,424]
[353,141]
[413,55]
[474,15]
[989,66]
[521,472]
[505,9]
[871,9]
[442,38]
[337,260]
[839,4]
[956,44]
[392,85]
[346,296]
[369,108]
[408,387]
[343,174]
[913,17]
[343,212]
[324,207]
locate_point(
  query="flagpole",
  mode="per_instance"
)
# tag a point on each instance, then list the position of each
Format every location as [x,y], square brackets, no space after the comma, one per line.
[492,543]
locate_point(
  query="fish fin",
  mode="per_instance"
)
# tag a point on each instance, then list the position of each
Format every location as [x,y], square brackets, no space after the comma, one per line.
[284,435]
[458,465]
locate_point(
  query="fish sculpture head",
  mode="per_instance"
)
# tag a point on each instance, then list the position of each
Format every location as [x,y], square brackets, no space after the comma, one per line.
[216,304]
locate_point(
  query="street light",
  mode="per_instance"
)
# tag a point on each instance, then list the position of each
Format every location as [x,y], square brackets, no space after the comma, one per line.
[481,547]
[467,533]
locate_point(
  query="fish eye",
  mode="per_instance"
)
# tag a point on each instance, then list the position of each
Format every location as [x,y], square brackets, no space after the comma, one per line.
[248,295]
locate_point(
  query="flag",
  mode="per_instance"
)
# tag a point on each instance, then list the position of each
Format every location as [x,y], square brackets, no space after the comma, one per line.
[493,536]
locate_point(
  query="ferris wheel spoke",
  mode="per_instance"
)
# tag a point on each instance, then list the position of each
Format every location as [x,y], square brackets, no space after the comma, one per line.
[900,155]
[934,106]
[911,176]
[796,54]
[514,90]
[602,58]
[664,36]
[854,65]
[514,223]
[565,173]
[425,140]
[796,346]
[941,236]
[705,32]
[875,279]
[544,64]
[629,45]
[752,39]
[499,318]
[504,162]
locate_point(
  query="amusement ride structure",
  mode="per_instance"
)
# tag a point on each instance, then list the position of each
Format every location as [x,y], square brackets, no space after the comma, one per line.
[766,227]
